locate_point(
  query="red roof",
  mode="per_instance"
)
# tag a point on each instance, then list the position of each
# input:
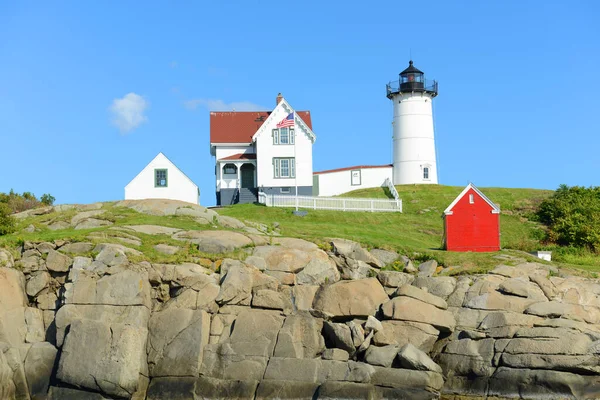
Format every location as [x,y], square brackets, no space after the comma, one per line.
[351,168]
[240,126]
[240,156]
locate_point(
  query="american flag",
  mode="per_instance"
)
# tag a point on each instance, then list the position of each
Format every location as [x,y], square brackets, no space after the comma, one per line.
[287,121]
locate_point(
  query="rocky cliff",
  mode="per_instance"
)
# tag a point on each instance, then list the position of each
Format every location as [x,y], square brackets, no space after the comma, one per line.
[287,319]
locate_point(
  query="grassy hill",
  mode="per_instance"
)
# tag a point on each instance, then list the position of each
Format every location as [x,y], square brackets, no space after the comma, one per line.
[418,230]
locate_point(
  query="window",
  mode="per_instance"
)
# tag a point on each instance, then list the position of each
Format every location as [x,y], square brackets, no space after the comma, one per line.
[283,136]
[229,169]
[355,177]
[426,173]
[160,178]
[285,190]
[284,167]
[471,199]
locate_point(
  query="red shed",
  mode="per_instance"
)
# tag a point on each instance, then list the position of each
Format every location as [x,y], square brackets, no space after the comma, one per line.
[471,222]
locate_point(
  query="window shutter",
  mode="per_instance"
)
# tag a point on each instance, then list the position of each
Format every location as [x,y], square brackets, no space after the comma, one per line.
[292,136]
[275,134]
[293,168]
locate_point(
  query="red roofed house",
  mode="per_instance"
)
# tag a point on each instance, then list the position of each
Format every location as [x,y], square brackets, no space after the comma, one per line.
[251,152]
[471,222]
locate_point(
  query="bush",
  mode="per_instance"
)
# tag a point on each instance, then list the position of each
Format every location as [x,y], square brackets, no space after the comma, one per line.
[21,202]
[7,223]
[47,199]
[572,215]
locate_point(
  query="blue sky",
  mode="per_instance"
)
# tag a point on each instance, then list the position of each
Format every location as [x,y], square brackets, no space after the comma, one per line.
[517,105]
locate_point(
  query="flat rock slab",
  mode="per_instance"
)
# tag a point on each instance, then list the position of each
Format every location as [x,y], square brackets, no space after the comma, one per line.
[114,357]
[85,215]
[422,336]
[12,289]
[92,223]
[136,316]
[175,342]
[58,225]
[294,243]
[359,298]
[77,248]
[410,309]
[166,249]
[215,241]
[153,229]
[167,207]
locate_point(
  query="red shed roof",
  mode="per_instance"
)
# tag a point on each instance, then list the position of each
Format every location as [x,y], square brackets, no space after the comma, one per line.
[240,156]
[240,126]
[351,168]
[495,208]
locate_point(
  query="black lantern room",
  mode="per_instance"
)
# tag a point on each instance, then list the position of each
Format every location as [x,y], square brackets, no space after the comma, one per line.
[412,80]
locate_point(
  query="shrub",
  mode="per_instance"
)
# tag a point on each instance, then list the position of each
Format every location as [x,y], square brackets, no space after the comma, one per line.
[572,215]
[7,223]
[21,202]
[47,199]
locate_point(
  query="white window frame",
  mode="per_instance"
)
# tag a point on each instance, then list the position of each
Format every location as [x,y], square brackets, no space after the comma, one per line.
[291,136]
[426,169]
[285,190]
[471,198]
[352,177]
[277,168]
[282,136]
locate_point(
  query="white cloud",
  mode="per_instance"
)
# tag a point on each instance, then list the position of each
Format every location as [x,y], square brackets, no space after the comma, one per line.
[128,112]
[220,105]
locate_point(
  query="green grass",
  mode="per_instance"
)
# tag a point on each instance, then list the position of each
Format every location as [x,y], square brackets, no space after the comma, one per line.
[417,232]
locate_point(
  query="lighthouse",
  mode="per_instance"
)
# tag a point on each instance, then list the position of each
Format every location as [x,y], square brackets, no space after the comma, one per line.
[414,144]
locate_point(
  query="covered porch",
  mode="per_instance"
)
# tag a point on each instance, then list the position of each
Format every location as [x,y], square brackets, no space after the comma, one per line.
[237,179]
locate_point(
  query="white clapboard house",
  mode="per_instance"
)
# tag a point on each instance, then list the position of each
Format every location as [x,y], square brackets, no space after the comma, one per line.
[270,151]
[161,179]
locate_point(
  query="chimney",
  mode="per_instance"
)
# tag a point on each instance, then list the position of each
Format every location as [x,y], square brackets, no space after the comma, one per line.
[279,98]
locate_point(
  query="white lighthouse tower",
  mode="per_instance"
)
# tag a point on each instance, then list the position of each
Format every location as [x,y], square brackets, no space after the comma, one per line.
[414,145]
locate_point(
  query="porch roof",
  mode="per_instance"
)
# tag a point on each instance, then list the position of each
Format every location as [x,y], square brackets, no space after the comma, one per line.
[239,156]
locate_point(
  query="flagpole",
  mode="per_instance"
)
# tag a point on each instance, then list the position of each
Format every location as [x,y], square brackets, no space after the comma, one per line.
[295,166]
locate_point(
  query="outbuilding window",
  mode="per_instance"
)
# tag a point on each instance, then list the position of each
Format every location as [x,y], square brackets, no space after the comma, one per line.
[229,169]
[471,198]
[160,178]
[426,173]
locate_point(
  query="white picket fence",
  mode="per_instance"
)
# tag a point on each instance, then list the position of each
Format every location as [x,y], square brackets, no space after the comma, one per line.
[330,203]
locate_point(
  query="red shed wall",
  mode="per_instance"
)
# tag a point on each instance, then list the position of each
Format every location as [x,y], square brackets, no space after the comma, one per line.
[472,227]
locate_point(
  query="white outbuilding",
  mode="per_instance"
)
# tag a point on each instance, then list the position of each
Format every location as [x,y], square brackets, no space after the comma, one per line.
[161,179]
